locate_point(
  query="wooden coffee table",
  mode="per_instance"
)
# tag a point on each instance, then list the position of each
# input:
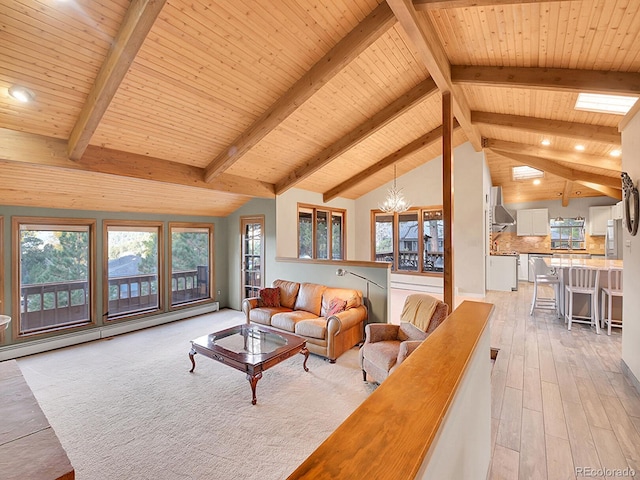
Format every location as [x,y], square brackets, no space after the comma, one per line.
[249,348]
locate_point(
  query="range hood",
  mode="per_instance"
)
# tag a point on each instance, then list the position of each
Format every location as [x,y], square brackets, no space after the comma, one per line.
[500,215]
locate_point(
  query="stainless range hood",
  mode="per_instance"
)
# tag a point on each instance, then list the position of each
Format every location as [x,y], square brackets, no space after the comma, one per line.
[500,215]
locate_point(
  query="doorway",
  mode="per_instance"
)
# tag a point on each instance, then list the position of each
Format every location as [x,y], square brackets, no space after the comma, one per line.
[252,255]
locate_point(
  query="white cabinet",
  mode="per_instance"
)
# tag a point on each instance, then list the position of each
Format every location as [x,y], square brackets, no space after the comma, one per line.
[502,272]
[616,211]
[598,218]
[523,267]
[533,222]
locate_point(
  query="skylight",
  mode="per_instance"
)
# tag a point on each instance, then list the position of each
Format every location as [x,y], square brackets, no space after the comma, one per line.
[525,172]
[595,102]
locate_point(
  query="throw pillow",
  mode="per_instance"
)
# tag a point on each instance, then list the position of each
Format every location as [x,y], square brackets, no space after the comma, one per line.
[336,305]
[269,297]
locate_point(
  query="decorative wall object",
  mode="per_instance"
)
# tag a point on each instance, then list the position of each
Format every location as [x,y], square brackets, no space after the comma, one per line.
[630,204]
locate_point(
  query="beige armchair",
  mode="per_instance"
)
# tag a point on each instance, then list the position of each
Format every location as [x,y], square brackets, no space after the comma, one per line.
[386,345]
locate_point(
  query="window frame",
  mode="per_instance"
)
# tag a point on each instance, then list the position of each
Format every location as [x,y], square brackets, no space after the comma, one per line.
[16,289]
[212,288]
[129,224]
[314,245]
[420,212]
[561,228]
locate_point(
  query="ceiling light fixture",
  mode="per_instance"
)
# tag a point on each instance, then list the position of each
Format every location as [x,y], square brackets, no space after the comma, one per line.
[615,153]
[546,142]
[395,202]
[595,102]
[580,148]
[22,94]
[536,181]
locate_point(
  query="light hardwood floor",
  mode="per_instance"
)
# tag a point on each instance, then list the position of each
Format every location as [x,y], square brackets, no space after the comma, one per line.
[560,401]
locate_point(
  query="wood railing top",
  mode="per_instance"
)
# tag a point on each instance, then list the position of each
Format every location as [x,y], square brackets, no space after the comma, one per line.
[389,435]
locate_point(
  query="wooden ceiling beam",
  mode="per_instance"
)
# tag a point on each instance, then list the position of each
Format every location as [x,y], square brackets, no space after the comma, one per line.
[579,131]
[442,4]
[40,150]
[556,79]
[566,192]
[607,191]
[614,165]
[384,117]
[561,171]
[424,37]
[344,52]
[136,24]
[423,142]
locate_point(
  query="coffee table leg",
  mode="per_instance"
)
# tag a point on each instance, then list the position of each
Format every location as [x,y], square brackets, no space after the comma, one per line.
[253,380]
[192,354]
[305,352]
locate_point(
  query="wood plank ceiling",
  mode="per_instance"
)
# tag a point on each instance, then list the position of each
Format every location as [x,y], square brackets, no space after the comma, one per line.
[196,106]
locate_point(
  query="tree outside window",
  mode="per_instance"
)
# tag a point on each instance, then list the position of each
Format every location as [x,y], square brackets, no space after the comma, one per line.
[321,232]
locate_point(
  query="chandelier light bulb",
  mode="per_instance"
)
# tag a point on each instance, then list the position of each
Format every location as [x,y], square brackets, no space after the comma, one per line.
[395,201]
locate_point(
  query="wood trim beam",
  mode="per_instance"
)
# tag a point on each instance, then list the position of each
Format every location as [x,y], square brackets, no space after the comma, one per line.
[424,37]
[423,142]
[579,131]
[607,191]
[447,199]
[344,52]
[136,24]
[566,192]
[381,119]
[39,150]
[556,79]
[612,165]
[555,168]
[443,4]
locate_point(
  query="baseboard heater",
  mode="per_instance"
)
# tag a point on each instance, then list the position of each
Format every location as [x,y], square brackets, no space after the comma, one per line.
[66,340]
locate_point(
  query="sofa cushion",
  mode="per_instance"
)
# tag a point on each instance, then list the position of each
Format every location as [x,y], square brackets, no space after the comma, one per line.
[287,320]
[310,298]
[263,314]
[288,292]
[383,354]
[336,305]
[407,331]
[313,328]
[352,297]
[269,297]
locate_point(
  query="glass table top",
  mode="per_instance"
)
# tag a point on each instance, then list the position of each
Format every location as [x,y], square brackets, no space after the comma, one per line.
[247,339]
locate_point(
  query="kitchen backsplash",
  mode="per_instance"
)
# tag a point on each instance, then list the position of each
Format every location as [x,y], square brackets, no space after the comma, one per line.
[510,241]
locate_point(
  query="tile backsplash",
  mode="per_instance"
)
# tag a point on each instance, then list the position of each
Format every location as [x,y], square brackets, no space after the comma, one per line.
[510,241]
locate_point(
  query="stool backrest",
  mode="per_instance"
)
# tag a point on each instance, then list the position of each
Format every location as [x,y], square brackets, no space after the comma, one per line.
[584,277]
[540,267]
[615,279]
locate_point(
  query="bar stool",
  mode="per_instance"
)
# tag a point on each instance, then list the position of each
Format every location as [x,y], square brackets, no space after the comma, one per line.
[545,275]
[582,280]
[613,289]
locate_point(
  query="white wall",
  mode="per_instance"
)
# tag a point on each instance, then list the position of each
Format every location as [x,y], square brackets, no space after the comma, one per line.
[423,187]
[631,255]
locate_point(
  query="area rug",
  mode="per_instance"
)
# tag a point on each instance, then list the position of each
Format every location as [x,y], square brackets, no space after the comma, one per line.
[128,408]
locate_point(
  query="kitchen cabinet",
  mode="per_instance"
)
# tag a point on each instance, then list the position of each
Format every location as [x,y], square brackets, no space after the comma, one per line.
[533,222]
[616,211]
[502,272]
[523,267]
[598,218]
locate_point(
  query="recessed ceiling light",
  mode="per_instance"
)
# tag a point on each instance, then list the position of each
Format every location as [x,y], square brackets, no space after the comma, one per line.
[595,102]
[615,153]
[578,192]
[536,181]
[546,142]
[580,148]
[22,94]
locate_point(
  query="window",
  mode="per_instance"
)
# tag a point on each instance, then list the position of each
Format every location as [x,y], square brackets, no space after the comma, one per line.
[133,252]
[410,244]
[54,269]
[191,261]
[321,232]
[567,234]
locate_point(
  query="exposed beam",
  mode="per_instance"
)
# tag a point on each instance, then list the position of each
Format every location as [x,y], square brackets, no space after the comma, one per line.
[579,131]
[344,52]
[448,200]
[441,4]
[614,165]
[566,191]
[39,150]
[384,117]
[557,79]
[607,191]
[136,24]
[423,142]
[555,168]
[425,39]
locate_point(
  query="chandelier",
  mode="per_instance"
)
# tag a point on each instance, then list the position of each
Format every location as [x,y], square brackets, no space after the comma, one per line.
[395,202]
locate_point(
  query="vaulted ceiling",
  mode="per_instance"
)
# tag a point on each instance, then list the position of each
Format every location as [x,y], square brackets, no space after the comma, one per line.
[196,106]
